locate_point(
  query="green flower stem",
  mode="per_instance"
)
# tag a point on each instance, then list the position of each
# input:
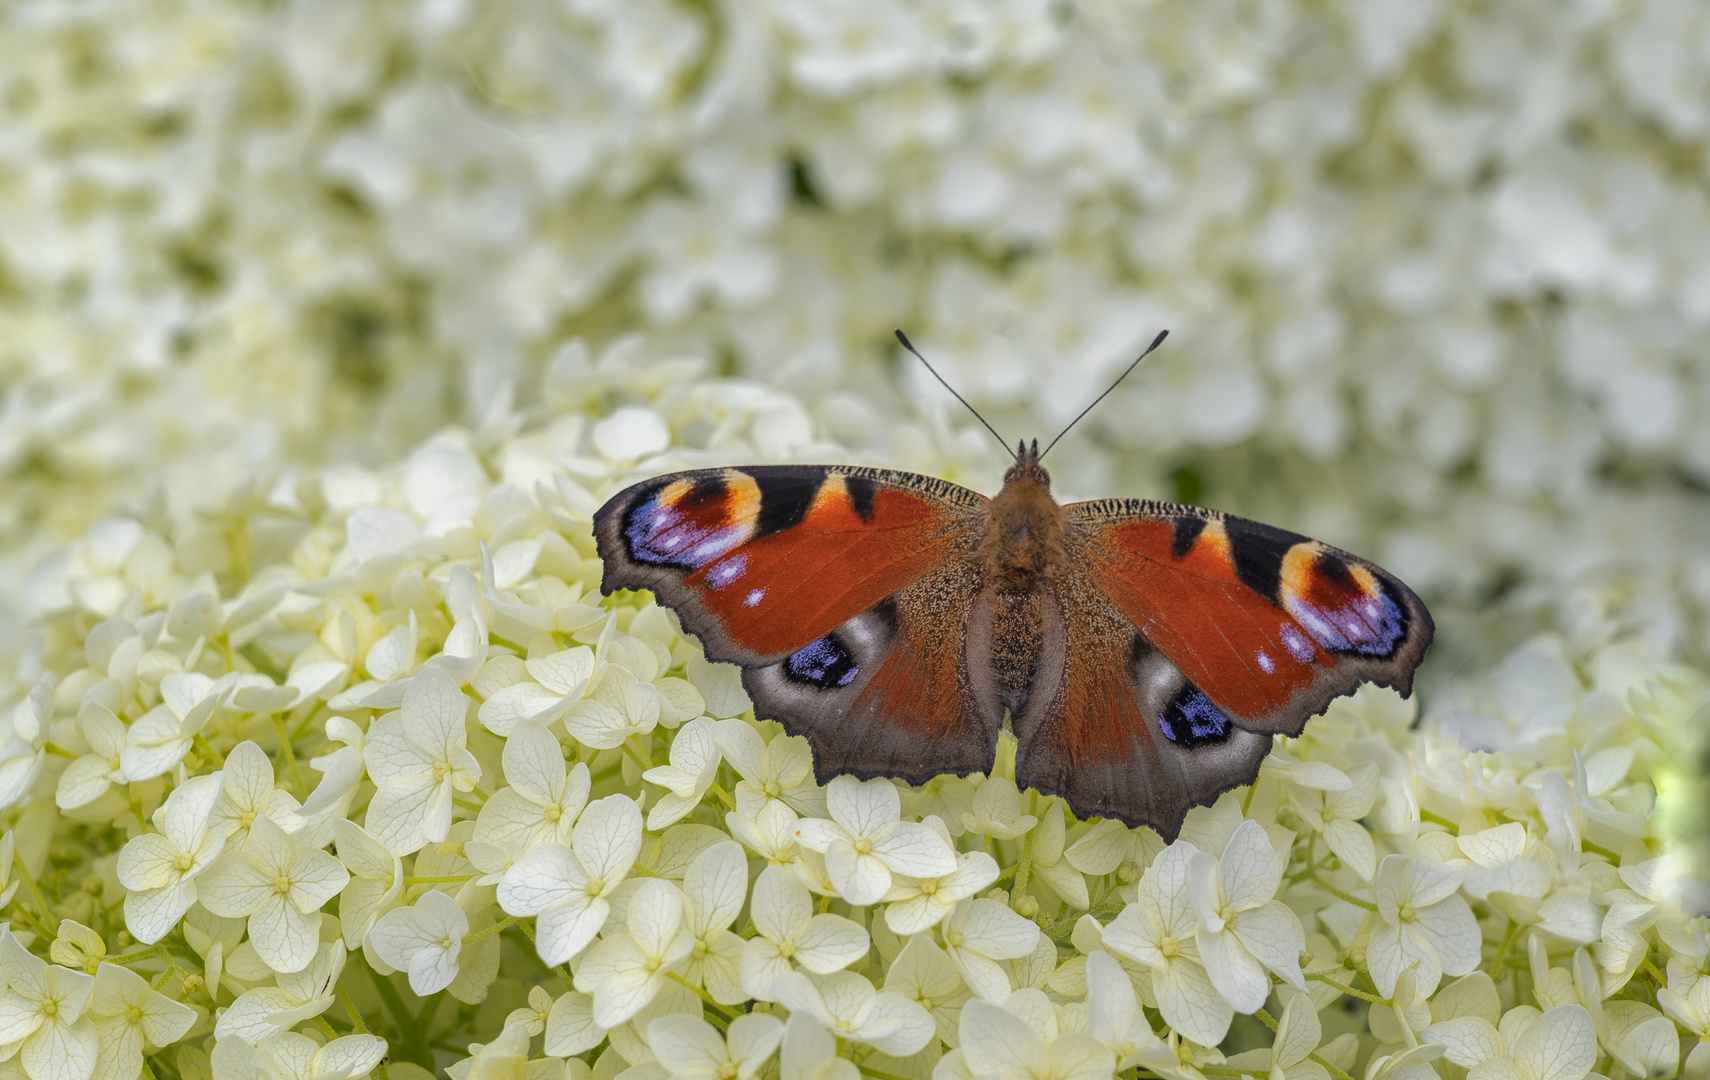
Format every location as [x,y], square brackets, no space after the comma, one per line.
[148,1073]
[46,923]
[291,756]
[503,924]
[134,957]
[201,743]
[1438,819]
[59,751]
[467,804]
[1266,1019]
[1340,895]
[559,969]
[326,1028]
[1350,991]
[724,1013]
[1024,864]
[722,795]
[448,879]
[1497,965]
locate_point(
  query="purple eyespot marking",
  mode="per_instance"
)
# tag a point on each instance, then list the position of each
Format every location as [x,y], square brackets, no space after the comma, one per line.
[1266,664]
[1190,720]
[726,571]
[825,664]
[1365,624]
[1297,645]
[754,598]
[672,535]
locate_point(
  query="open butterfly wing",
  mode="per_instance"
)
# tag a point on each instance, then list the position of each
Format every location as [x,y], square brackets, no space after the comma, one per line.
[1113,727]
[845,594]
[1181,639]
[1270,625]
[760,562]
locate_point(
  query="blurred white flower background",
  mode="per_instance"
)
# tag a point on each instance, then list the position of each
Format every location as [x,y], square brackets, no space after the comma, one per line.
[325,326]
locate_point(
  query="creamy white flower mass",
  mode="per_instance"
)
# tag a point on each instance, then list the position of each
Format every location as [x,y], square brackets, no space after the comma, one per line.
[325,328]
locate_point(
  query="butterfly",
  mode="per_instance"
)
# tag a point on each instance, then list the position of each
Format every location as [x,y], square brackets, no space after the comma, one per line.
[1142,653]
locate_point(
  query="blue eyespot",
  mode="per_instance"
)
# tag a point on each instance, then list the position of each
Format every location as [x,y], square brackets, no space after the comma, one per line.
[824,663]
[1190,719]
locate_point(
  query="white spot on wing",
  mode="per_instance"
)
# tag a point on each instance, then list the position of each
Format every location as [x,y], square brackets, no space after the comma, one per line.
[1266,664]
[754,598]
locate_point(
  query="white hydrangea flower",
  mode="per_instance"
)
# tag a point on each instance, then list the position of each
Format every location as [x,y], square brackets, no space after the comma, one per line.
[159,870]
[290,1056]
[781,769]
[694,764]
[1560,1044]
[623,971]
[543,796]
[1335,815]
[847,1005]
[865,841]
[714,891]
[690,1049]
[1424,921]
[979,934]
[418,758]
[998,1044]
[1160,929]
[423,939]
[42,1009]
[93,774]
[787,933]
[376,880]
[265,1011]
[1242,930]
[568,889]
[280,888]
[128,1016]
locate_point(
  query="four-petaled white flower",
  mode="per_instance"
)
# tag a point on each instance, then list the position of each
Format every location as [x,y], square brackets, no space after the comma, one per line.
[787,933]
[544,795]
[690,1049]
[1242,930]
[418,758]
[1335,815]
[917,904]
[423,939]
[1560,1044]
[127,1016]
[622,705]
[291,1056]
[249,793]
[850,1008]
[90,776]
[980,933]
[714,891]
[999,1045]
[42,1008]
[1159,929]
[779,770]
[865,841]
[694,763]
[160,869]
[624,971]
[280,887]
[569,888]
[1425,921]
[265,1011]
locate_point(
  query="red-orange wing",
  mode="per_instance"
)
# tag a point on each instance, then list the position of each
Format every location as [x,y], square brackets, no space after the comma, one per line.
[1269,625]
[762,562]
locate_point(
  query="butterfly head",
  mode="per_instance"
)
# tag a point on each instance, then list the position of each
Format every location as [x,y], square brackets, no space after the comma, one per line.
[1027,469]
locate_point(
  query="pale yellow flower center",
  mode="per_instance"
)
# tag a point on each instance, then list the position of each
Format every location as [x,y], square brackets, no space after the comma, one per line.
[786,949]
[282,883]
[863,846]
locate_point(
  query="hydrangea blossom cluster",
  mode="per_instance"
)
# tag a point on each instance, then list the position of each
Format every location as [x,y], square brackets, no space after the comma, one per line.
[1461,245]
[361,773]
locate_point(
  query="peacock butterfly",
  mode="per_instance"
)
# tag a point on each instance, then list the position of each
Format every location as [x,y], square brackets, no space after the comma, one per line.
[1143,653]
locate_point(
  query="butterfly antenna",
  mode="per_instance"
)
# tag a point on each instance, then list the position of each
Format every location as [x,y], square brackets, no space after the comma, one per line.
[903,338]
[1157,341]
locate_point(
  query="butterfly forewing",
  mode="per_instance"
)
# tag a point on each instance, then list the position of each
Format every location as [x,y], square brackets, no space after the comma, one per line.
[761,562]
[1269,625]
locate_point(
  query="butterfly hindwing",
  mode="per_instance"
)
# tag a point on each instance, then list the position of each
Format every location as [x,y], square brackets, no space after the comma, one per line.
[889,692]
[1113,727]
[760,562]
[1269,625]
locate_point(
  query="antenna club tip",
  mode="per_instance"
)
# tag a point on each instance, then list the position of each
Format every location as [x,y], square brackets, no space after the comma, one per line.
[903,338]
